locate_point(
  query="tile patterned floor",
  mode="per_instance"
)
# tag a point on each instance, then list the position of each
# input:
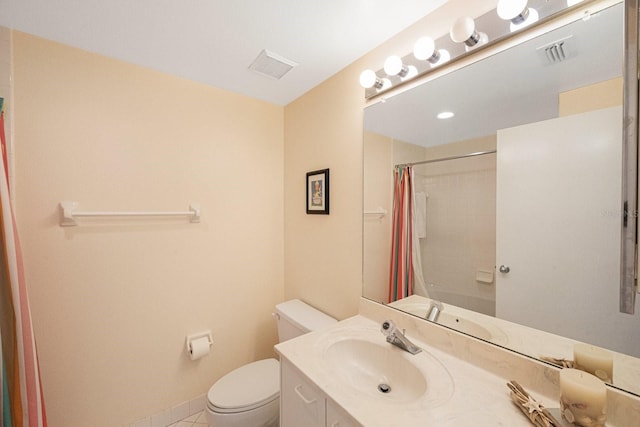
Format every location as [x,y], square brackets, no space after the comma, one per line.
[197,420]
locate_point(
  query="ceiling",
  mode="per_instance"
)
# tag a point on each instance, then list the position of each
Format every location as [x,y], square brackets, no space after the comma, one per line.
[215,41]
[508,89]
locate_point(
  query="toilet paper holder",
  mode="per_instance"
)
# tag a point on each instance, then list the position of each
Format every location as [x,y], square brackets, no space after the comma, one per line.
[193,337]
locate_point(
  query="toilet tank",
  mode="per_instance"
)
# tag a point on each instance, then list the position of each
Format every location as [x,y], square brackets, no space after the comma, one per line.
[296,318]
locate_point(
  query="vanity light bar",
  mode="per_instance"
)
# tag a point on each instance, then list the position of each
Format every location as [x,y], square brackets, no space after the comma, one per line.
[465,35]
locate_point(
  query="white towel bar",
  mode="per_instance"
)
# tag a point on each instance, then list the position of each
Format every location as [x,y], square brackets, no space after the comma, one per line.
[380,212]
[69,213]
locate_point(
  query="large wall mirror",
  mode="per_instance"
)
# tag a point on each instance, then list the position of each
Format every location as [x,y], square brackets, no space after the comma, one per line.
[516,199]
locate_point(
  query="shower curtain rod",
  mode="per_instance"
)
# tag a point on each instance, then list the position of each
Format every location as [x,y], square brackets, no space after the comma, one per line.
[464,156]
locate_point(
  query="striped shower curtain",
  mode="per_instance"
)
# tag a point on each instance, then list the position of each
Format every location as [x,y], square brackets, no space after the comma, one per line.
[401,271]
[21,401]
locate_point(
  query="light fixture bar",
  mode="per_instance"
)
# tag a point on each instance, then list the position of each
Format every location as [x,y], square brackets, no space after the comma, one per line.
[510,16]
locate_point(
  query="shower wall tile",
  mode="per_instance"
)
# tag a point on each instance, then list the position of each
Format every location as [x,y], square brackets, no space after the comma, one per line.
[461,210]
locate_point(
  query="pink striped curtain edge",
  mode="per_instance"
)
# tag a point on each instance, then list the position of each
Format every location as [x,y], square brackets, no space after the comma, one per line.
[401,265]
[32,403]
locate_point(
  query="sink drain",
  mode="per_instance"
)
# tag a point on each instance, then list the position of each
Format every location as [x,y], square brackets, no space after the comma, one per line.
[384,388]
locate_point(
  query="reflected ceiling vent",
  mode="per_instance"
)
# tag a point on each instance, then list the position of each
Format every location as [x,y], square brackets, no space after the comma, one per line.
[272,65]
[556,52]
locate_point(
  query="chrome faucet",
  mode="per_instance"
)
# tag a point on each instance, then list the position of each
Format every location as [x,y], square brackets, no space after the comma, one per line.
[434,311]
[397,338]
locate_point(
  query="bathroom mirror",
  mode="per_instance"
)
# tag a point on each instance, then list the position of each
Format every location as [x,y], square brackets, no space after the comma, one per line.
[517,197]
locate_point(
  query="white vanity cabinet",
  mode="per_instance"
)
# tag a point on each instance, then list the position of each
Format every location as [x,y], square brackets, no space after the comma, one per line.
[302,403]
[337,417]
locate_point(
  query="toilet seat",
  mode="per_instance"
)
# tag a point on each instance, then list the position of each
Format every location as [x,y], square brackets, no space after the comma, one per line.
[246,388]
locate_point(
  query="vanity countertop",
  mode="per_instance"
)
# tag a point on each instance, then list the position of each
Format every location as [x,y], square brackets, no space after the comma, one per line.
[476,397]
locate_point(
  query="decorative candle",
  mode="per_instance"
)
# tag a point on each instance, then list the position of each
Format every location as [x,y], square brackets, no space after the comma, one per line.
[583,398]
[595,360]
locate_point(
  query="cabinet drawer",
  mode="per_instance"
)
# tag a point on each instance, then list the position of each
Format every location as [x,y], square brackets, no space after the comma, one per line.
[301,402]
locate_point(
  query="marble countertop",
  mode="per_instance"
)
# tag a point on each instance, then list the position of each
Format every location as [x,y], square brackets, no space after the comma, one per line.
[475,397]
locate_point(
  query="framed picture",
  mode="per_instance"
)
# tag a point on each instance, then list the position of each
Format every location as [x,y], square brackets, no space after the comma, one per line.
[318,192]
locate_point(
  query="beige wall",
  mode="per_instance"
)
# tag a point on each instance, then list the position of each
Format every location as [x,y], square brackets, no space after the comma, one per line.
[113,301]
[323,128]
[593,97]
[378,188]
[323,252]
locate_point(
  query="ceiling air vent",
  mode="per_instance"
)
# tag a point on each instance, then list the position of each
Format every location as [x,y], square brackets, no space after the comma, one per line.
[556,52]
[271,65]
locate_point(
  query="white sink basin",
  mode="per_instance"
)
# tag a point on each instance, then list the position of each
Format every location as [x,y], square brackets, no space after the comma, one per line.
[363,364]
[377,369]
[379,383]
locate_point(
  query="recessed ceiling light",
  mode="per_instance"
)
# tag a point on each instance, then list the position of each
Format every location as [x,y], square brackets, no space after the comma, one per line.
[445,115]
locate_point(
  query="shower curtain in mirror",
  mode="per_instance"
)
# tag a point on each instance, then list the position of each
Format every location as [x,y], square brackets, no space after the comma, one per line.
[21,401]
[406,265]
[400,273]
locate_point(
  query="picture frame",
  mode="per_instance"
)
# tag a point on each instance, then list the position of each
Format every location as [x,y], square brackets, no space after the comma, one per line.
[318,192]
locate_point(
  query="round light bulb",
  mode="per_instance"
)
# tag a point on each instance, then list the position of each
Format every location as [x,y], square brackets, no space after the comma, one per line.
[393,65]
[509,9]
[462,29]
[368,79]
[424,48]
[445,56]
[445,115]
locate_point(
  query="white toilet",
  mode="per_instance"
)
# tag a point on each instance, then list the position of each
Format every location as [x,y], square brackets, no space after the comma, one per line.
[250,395]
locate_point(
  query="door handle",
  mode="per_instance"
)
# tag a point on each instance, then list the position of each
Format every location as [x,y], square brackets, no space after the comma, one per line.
[504,269]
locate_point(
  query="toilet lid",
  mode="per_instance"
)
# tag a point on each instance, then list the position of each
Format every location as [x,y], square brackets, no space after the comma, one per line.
[247,387]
